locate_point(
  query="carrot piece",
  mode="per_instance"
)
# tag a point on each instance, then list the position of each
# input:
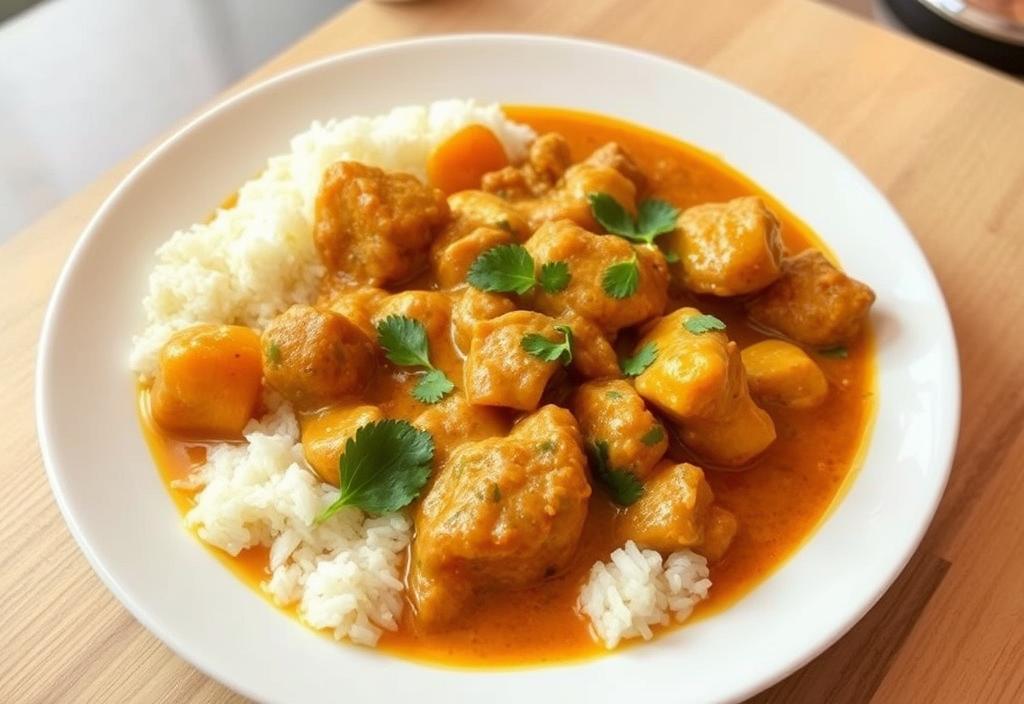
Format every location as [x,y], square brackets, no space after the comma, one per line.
[460,162]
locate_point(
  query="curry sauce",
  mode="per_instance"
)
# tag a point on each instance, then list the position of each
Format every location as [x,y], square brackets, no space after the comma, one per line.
[779,499]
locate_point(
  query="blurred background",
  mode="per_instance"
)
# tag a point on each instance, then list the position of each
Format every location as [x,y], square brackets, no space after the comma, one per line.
[85,83]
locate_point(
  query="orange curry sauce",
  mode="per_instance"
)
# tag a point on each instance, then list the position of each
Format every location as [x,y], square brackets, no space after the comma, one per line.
[779,500]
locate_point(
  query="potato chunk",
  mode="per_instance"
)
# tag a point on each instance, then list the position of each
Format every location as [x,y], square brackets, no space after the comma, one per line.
[593,356]
[373,225]
[781,373]
[813,302]
[699,382]
[498,371]
[588,256]
[672,512]
[472,305]
[719,532]
[728,249]
[431,308]
[503,513]
[313,356]
[208,382]
[613,412]
[324,436]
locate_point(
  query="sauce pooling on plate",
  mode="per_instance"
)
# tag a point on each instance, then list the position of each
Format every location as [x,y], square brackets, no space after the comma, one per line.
[620,339]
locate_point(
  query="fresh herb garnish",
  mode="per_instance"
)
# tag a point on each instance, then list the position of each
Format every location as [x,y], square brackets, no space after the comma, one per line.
[554,276]
[613,395]
[504,224]
[495,492]
[622,484]
[547,350]
[653,217]
[620,280]
[547,446]
[404,341]
[700,324]
[670,256]
[384,467]
[653,436]
[273,354]
[638,363]
[509,268]
[838,352]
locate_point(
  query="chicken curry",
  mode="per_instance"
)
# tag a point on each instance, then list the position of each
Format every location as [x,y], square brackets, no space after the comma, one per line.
[620,338]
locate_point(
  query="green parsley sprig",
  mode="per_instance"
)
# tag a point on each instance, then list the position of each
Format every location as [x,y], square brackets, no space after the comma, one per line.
[404,341]
[700,324]
[622,484]
[653,218]
[549,350]
[620,280]
[638,363]
[653,436]
[509,268]
[384,467]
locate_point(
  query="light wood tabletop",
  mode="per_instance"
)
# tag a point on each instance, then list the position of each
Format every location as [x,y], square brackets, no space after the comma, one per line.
[944,139]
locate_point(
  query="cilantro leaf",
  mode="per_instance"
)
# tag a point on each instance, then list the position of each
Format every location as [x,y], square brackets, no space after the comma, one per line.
[613,217]
[543,348]
[622,484]
[384,467]
[638,363]
[404,341]
[405,344]
[432,387]
[504,268]
[273,353]
[653,436]
[838,352]
[509,268]
[653,217]
[670,256]
[620,280]
[700,324]
[554,276]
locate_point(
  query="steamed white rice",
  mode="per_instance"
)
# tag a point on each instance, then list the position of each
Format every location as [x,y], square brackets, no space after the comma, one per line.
[636,589]
[254,260]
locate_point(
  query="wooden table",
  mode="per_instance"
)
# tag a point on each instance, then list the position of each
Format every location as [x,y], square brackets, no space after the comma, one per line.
[944,139]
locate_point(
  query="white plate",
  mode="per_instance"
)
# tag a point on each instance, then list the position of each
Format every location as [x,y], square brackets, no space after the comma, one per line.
[118,510]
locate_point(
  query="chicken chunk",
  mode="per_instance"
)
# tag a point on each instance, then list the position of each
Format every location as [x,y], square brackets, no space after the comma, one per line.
[376,226]
[727,249]
[451,264]
[548,159]
[503,513]
[698,381]
[593,356]
[324,436]
[615,156]
[431,308]
[358,304]
[589,256]
[313,356]
[673,511]
[472,305]
[783,374]
[813,302]
[208,382]
[473,209]
[498,371]
[570,198]
[613,412]
[455,421]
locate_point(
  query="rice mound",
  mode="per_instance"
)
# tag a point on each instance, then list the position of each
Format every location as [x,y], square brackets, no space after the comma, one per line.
[255,259]
[635,590]
[345,574]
